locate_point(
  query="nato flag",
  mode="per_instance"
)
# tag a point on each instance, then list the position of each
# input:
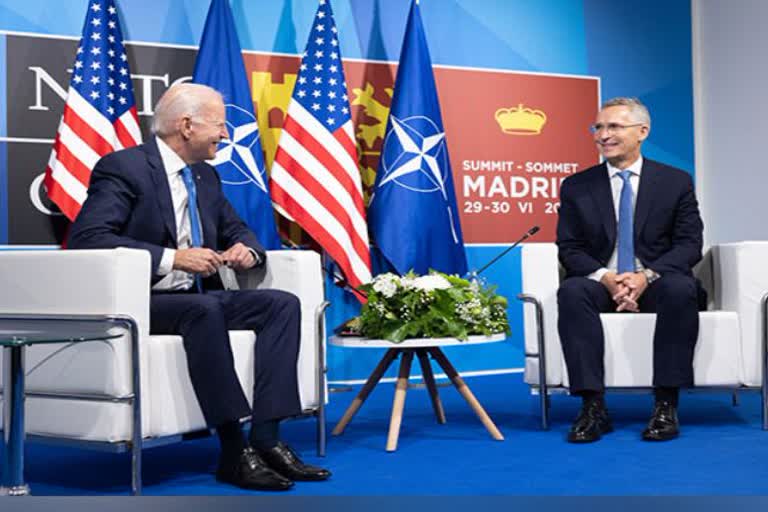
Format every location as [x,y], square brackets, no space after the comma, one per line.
[239,160]
[413,216]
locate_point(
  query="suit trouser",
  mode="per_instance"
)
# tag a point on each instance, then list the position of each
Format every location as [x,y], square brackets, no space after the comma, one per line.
[203,320]
[675,298]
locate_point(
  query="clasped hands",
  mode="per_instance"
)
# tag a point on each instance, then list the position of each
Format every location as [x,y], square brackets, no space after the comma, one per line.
[625,289]
[204,261]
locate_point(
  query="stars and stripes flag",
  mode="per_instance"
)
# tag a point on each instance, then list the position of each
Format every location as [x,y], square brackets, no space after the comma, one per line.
[315,178]
[100,112]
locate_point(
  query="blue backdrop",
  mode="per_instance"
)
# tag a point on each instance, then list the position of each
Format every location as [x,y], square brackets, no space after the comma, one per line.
[636,48]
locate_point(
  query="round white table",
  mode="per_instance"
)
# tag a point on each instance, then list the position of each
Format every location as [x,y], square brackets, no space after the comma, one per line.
[422,348]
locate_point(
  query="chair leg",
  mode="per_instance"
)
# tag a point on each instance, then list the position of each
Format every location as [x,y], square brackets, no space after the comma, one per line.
[136,483]
[321,435]
[321,375]
[465,392]
[374,379]
[399,401]
[429,381]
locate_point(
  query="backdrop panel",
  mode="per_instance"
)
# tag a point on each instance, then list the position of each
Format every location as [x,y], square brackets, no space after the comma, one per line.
[519,83]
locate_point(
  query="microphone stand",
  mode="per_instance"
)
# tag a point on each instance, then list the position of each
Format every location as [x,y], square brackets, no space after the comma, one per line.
[528,234]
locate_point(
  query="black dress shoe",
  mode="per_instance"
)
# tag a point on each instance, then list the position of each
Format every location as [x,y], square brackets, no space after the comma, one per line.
[591,423]
[250,472]
[664,424]
[284,460]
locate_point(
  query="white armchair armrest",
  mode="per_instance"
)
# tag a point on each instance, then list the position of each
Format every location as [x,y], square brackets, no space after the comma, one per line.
[300,273]
[741,279]
[70,282]
[540,280]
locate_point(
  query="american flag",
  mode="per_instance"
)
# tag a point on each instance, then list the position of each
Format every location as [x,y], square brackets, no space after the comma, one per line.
[100,112]
[315,178]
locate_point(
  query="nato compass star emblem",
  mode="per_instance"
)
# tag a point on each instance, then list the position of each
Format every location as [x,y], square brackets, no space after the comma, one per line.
[416,159]
[235,160]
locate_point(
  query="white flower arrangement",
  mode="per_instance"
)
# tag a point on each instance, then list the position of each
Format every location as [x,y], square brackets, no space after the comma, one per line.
[434,305]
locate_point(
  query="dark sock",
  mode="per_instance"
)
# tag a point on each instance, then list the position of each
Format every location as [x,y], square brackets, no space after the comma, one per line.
[231,438]
[666,394]
[265,435]
[590,396]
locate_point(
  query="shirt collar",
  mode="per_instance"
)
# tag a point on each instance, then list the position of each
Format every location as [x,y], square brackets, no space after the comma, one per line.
[171,160]
[635,168]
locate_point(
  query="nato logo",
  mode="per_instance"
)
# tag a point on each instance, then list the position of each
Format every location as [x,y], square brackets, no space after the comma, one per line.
[415,158]
[236,160]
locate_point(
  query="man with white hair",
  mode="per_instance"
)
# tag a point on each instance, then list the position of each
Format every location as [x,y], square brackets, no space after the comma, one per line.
[628,234]
[164,198]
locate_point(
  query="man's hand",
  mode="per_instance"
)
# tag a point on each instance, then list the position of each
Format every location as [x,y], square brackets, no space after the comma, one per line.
[615,287]
[197,260]
[238,257]
[635,283]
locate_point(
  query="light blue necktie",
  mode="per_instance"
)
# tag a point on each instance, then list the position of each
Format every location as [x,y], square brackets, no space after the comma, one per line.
[626,242]
[194,220]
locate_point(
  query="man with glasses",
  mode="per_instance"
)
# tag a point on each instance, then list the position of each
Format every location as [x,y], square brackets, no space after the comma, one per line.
[629,232]
[164,198]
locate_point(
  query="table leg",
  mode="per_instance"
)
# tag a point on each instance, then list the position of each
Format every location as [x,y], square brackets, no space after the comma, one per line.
[374,379]
[464,390]
[13,423]
[399,402]
[429,381]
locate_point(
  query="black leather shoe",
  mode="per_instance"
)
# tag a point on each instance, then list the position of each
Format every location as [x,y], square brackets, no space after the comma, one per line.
[250,472]
[664,424]
[591,423]
[284,460]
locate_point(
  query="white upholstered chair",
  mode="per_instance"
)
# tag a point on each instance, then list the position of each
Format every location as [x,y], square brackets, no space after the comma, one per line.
[85,393]
[730,349]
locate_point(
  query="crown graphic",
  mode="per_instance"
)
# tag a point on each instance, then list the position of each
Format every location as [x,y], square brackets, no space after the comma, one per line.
[520,120]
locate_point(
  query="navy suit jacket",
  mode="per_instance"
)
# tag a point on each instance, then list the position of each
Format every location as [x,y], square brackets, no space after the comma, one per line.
[667,225]
[129,205]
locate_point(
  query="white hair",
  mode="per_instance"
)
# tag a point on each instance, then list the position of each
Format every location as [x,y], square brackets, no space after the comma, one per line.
[181,100]
[639,111]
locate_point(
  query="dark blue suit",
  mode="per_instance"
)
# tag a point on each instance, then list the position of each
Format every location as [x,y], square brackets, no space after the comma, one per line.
[129,205]
[667,239]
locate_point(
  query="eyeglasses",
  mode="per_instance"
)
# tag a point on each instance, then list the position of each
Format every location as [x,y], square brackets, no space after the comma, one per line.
[611,128]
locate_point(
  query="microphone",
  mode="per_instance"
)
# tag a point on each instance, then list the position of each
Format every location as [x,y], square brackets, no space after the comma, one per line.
[528,234]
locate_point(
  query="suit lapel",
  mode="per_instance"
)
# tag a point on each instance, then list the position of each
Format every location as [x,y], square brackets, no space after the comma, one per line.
[601,193]
[163,195]
[648,183]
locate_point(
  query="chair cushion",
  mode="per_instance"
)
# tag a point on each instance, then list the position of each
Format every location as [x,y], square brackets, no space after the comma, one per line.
[629,350]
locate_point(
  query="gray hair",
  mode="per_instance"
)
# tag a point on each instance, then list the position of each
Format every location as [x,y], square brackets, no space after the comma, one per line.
[639,111]
[181,100]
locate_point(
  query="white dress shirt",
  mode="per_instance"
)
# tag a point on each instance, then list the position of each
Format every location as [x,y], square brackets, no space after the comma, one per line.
[175,279]
[616,185]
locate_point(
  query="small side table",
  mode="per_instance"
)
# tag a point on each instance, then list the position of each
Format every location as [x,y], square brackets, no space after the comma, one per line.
[422,348]
[14,342]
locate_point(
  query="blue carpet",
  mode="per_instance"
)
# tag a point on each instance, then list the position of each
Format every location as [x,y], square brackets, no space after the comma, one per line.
[722,451]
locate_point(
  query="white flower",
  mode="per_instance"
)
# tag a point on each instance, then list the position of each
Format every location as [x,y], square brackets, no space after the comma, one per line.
[431,282]
[386,284]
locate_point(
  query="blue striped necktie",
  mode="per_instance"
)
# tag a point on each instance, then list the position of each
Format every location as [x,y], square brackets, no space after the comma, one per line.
[194,219]
[626,242]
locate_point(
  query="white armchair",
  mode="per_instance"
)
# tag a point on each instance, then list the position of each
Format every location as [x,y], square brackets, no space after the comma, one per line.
[730,349]
[84,393]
